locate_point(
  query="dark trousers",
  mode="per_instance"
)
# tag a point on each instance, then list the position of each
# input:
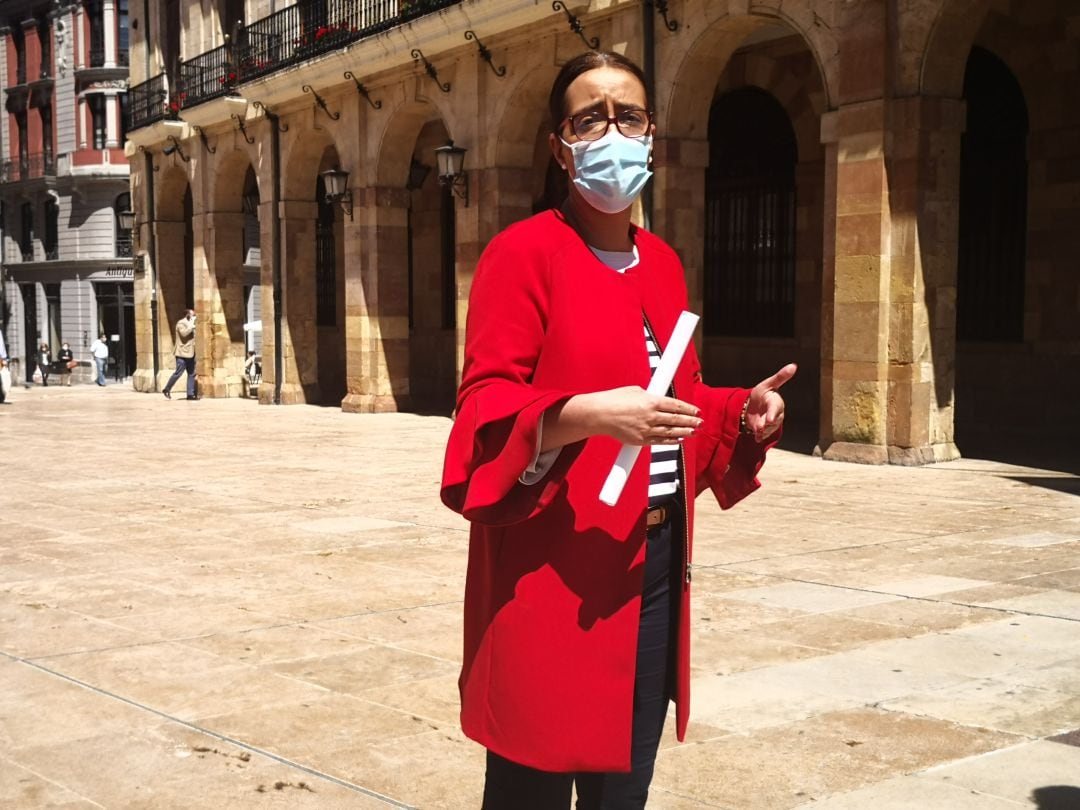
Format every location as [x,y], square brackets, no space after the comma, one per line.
[510,786]
[183,364]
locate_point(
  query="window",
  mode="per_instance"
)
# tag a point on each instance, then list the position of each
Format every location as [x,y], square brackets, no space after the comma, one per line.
[993,203]
[96,13]
[54,326]
[122,32]
[750,217]
[52,230]
[325,261]
[47,137]
[19,39]
[26,232]
[44,37]
[123,235]
[125,116]
[98,118]
[24,143]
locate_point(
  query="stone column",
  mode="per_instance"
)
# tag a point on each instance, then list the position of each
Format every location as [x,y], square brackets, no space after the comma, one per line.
[377,301]
[219,302]
[679,205]
[889,281]
[112,121]
[108,14]
[299,334]
[855,313]
[924,193]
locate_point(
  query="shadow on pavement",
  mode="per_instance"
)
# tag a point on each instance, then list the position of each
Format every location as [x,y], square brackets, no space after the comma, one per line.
[1056,797]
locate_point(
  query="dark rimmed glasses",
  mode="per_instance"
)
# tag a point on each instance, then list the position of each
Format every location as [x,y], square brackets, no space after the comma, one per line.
[592,125]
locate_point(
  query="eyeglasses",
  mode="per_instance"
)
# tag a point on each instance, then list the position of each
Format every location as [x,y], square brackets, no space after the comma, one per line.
[592,125]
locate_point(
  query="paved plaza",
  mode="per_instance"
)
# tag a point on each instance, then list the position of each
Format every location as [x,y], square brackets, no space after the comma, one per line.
[219,604]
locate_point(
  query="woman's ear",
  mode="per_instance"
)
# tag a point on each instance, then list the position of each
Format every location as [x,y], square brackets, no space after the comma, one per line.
[557,150]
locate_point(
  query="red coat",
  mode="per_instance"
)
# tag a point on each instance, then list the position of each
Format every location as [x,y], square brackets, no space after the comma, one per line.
[553,591]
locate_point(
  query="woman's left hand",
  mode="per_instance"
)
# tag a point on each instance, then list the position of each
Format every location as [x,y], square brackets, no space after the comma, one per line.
[765,411]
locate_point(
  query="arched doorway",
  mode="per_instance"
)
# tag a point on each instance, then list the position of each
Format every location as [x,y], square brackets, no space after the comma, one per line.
[433,282]
[993,203]
[740,152]
[749,280]
[329,293]
[175,239]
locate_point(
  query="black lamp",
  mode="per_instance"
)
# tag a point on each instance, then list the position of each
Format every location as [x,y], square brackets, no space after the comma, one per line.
[450,160]
[336,183]
[126,219]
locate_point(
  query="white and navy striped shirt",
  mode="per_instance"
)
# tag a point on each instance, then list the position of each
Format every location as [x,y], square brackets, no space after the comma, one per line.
[664,465]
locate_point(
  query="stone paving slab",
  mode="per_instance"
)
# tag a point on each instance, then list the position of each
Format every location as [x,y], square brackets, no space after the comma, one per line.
[221,604]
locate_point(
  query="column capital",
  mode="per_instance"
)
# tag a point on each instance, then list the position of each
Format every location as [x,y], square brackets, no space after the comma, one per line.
[860,118]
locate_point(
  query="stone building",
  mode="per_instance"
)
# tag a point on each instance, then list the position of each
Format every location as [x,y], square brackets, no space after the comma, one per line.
[886,193]
[63,181]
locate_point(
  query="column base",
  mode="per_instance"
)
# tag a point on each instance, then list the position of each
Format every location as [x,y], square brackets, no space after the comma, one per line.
[221,387]
[143,380]
[855,453]
[374,403]
[291,394]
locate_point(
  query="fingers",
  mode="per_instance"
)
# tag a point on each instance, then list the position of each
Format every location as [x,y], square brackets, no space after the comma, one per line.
[779,378]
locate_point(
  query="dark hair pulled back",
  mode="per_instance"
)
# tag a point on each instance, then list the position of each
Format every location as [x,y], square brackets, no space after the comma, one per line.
[583,63]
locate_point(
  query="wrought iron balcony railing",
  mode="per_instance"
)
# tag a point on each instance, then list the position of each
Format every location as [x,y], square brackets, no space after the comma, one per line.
[27,167]
[149,102]
[292,35]
[97,55]
[208,75]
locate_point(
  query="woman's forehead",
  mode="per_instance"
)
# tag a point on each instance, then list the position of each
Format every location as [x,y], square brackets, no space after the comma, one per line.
[601,83]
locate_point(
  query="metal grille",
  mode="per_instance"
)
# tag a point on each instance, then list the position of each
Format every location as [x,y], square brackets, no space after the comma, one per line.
[993,204]
[208,75]
[750,218]
[325,262]
[302,31]
[148,102]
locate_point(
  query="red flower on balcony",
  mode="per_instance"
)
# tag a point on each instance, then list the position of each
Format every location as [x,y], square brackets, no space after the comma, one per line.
[321,32]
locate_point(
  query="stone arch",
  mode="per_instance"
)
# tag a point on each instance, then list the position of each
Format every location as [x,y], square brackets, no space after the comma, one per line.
[947,48]
[398,140]
[301,162]
[689,70]
[229,171]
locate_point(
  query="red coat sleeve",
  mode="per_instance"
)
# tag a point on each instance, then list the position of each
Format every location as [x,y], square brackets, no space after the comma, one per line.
[493,438]
[726,461]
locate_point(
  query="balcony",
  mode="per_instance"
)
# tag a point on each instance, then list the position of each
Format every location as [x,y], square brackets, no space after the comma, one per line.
[149,103]
[291,36]
[27,167]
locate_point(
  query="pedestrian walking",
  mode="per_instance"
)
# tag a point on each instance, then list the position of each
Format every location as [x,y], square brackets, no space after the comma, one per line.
[185,355]
[5,372]
[44,362]
[66,361]
[100,350]
[576,613]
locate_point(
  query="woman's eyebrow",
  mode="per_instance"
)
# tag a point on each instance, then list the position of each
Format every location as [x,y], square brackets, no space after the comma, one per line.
[602,106]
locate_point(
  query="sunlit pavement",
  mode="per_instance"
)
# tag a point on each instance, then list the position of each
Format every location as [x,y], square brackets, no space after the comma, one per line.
[221,604]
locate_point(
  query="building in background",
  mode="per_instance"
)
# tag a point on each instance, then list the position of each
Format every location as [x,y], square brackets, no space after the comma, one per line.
[886,192]
[67,268]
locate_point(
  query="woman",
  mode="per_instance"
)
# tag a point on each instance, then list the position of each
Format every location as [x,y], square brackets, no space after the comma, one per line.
[44,362]
[576,614]
[66,359]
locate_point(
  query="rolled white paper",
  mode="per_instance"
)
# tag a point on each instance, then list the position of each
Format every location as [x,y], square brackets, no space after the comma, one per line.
[658,386]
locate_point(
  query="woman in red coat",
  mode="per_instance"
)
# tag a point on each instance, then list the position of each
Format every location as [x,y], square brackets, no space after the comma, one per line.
[577,613]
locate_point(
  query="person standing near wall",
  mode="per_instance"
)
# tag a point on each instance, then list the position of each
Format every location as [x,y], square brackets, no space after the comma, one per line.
[66,362]
[185,355]
[44,362]
[100,349]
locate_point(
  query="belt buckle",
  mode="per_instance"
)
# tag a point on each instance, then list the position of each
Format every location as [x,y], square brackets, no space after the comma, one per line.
[656,516]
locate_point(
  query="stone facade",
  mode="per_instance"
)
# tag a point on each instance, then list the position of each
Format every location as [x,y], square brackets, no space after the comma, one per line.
[874,93]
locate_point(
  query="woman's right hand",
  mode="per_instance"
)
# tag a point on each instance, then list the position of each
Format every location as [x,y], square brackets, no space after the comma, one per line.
[630,414]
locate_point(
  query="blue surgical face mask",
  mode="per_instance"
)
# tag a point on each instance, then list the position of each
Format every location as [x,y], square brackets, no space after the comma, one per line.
[610,172]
